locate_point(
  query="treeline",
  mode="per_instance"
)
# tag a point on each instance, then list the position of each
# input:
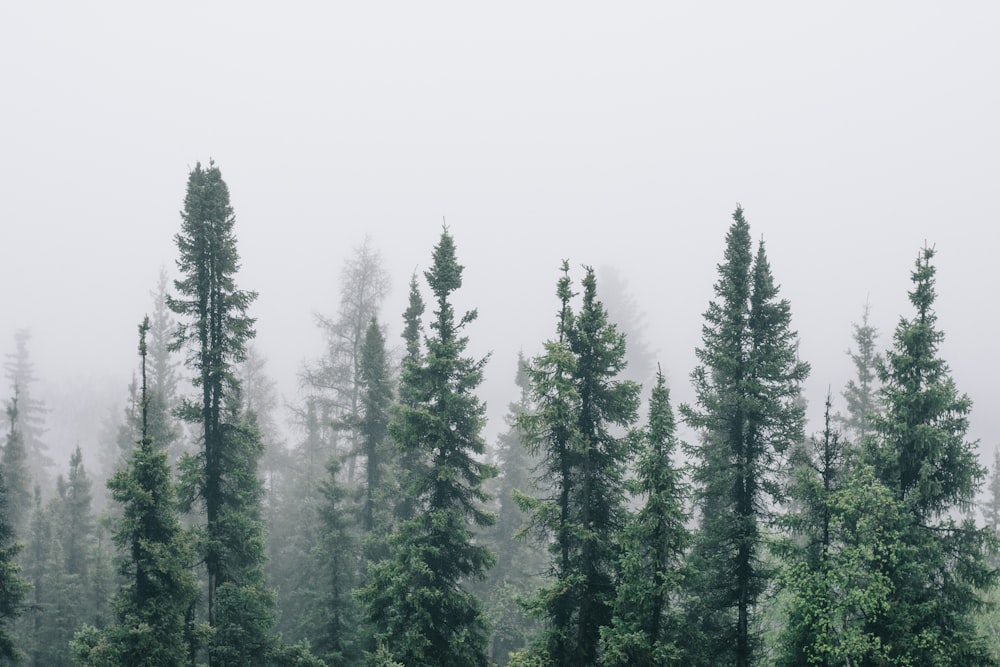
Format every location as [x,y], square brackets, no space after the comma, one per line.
[391,533]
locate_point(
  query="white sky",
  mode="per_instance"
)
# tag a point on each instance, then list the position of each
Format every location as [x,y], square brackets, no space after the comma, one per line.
[612,133]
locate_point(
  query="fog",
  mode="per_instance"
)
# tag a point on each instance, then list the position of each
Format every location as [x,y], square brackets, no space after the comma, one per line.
[618,136]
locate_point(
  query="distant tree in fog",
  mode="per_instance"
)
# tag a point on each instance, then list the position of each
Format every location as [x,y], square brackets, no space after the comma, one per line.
[861,392]
[31,410]
[334,379]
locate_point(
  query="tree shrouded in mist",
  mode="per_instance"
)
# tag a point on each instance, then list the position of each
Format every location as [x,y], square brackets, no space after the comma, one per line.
[748,412]
[422,613]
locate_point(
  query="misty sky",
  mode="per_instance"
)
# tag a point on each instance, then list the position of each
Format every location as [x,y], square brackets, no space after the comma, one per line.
[616,134]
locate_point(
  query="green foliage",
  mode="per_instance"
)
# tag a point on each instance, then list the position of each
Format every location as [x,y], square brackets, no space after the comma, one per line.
[519,560]
[919,452]
[580,400]
[13,589]
[647,628]
[415,598]
[155,560]
[749,412]
[843,530]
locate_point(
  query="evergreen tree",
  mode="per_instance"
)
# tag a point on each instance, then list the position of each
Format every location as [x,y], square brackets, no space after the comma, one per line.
[223,475]
[376,397]
[861,393]
[20,371]
[991,510]
[156,554]
[17,476]
[162,400]
[749,412]
[416,599]
[580,400]
[13,589]
[519,561]
[647,628]
[918,450]
[410,460]
[335,379]
[336,616]
[842,526]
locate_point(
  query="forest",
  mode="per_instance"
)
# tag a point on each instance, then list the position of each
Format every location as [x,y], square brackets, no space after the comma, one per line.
[391,532]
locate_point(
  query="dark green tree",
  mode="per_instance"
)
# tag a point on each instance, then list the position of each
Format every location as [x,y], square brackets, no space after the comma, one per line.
[861,392]
[13,589]
[647,628]
[416,600]
[919,451]
[749,411]
[216,329]
[155,560]
[580,402]
[376,398]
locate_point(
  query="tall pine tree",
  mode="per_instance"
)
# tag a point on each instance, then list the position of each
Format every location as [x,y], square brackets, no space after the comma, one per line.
[919,451]
[422,613]
[216,329]
[581,401]
[749,412]
[647,627]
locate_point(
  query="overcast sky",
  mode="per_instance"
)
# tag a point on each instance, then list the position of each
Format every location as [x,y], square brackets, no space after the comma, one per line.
[608,134]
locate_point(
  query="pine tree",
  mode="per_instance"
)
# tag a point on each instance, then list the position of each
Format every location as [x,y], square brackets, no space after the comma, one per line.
[223,476]
[861,392]
[918,450]
[416,601]
[410,461]
[13,589]
[647,627]
[580,399]
[20,371]
[156,554]
[749,412]
[335,379]
[17,476]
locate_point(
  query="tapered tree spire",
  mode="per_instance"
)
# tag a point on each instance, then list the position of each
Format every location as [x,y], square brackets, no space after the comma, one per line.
[748,413]
[422,613]
[920,452]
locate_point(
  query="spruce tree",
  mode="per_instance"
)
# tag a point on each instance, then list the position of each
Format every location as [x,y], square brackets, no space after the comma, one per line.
[410,462]
[919,451]
[416,599]
[17,476]
[223,476]
[647,628]
[581,400]
[31,410]
[155,560]
[748,412]
[13,589]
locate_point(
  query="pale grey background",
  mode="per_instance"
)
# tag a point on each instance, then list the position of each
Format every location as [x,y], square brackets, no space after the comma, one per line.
[606,133]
